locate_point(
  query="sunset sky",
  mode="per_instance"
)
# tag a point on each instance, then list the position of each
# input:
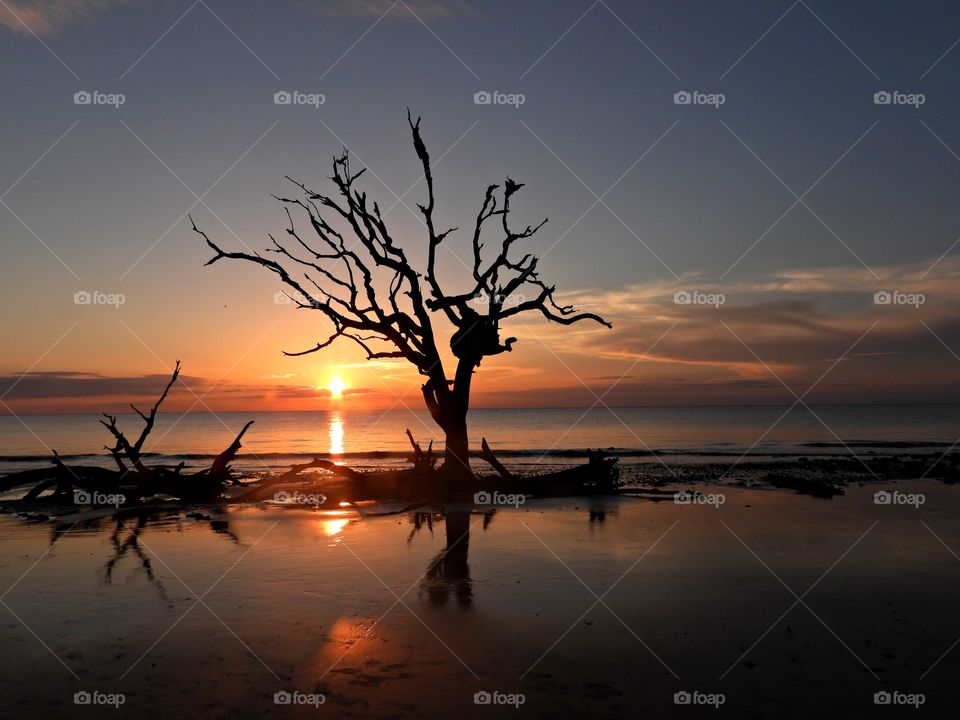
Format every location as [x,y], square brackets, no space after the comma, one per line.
[797,199]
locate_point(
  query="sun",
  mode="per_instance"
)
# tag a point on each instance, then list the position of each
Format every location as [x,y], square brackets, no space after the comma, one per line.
[336,387]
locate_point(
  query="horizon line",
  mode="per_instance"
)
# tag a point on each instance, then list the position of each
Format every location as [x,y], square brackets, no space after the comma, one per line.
[495,408]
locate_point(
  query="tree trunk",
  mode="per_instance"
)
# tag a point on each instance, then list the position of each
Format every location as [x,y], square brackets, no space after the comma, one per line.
[456,455]
[448,404]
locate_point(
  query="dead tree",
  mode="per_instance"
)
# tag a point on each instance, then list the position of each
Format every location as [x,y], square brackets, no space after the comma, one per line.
[353,271]
[133,477]
[133,451]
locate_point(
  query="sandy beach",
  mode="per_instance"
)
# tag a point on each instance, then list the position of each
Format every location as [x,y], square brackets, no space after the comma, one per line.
[776,603]
[455,359]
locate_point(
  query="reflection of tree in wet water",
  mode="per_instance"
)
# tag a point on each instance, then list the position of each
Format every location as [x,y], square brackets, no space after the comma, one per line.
[448,573]
[130,543]
[599,514]
[125,536]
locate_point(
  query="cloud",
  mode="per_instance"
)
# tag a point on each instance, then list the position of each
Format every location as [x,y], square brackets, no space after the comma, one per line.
[791,325]
[837,281]
[47,17]
[55,384]
[92,388]
[426,10]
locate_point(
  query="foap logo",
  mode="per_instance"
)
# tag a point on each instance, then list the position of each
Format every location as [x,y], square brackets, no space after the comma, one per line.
[884,697]
[296,97]
[511,300]
[883,497]
[895,297]
[484,97]
[696,697]
[895,97]
[484,697]
[85,497]
[284,697]
[84,297]
[695,297]
[95,97]
[299,498]
[285,298]
[498,498]
[695,97]
[86,697]
[699,498]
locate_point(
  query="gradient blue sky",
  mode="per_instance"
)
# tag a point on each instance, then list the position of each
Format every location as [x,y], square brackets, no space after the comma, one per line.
[599,80]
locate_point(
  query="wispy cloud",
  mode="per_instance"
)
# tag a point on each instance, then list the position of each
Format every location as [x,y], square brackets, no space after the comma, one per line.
[798,322]
[47,17]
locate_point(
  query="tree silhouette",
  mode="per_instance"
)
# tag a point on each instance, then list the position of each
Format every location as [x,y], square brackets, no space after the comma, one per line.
[355,274]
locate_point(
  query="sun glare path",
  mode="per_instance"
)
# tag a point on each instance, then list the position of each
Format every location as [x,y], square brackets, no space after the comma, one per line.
[336,434]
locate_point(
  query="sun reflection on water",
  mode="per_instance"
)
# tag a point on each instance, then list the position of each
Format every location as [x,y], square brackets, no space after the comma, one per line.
[332,522]
[332,528]
[336,434]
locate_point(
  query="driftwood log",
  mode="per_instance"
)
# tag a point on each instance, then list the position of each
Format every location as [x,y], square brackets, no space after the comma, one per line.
[137,482]
[134,478]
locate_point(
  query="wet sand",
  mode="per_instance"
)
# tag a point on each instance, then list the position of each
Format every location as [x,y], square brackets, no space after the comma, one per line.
[694,598]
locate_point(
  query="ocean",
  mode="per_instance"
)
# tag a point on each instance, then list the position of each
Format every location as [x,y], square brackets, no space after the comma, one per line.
[372,437]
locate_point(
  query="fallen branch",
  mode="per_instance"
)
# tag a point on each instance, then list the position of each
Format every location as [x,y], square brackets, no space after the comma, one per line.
[223,460]
[487,454]
[421,459]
